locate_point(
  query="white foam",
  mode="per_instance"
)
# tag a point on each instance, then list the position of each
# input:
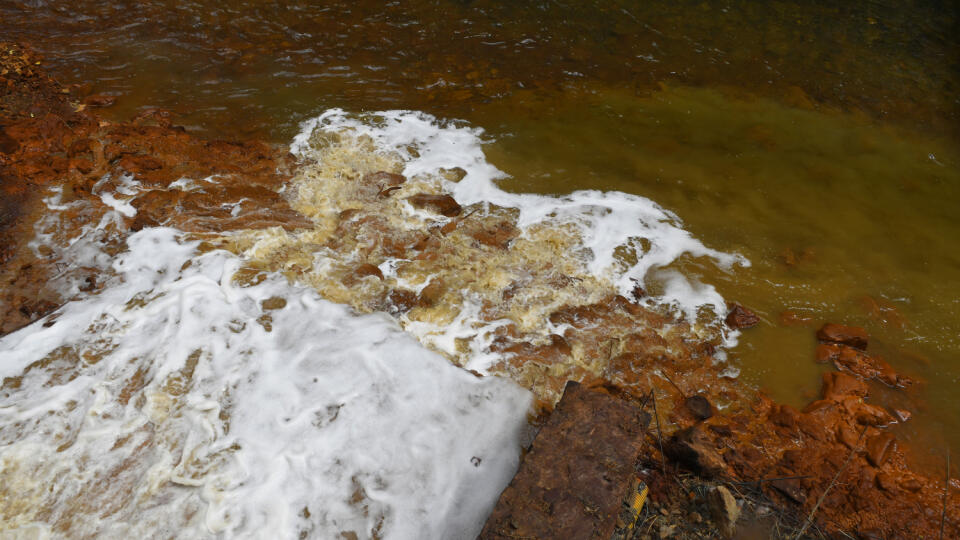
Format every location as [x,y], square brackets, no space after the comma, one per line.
[467,325]
[125,186]
[327,423]
[75,247]
[606,221]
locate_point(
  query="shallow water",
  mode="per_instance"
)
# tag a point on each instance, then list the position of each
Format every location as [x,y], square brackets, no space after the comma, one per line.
[819,142]
[843,220]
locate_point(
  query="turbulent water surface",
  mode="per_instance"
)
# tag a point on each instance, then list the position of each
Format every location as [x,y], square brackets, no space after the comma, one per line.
[786,156]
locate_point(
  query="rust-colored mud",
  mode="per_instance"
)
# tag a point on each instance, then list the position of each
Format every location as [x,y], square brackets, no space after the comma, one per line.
[49,141]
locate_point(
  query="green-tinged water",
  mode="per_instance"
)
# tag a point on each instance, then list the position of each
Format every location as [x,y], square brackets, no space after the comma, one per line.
[844,220]
[821,142]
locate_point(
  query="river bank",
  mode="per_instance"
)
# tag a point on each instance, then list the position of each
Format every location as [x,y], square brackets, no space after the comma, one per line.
[53,143]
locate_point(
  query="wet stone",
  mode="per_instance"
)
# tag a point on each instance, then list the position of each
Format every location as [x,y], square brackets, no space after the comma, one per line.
[699,407]
[852,336]
[140,164]
[199,160]
[785,416]
[837,385]
[99,100]
[431,294]
[883,311]
[911,484]
[868,367]
[886,482]
[348,214]
[847,436]
[274,302]
[722,430]
[498,236]
[740,317]
[442,204]
[367,269]
[580,469]
[84,166]
[879,447]
[792,258]
[384,179]
[401,301]
[8,145]
[694,448]
[828,352]
[791,488]
[455,174]
[872,415]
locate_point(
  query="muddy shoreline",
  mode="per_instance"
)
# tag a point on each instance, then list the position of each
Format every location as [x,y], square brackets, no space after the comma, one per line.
[49,138]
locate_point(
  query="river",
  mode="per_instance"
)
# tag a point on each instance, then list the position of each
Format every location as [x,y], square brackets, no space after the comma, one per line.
[817,141]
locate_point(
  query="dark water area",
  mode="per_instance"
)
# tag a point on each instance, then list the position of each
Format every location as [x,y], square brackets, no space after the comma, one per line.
[210,60]
[820,140]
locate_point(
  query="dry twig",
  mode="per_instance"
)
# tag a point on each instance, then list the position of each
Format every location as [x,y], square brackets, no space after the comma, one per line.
[669,380]
[663,460]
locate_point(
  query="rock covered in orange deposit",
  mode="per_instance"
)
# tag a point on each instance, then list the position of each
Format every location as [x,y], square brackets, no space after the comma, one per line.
[845,346]
[741,317]
[851,336]
[442,204]
[47,140]
[578,472]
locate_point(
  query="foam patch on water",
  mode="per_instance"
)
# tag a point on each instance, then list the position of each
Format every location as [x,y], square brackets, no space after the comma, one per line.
[126,187]
[175,403]
[625,237]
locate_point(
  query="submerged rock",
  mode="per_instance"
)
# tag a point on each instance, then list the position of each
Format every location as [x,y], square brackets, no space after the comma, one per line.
[789,317]
[851,336]
[367,269]
[828,352]
[883,311]
[740,317]
[838,385]
[385,179]
[869,367]
[99,100]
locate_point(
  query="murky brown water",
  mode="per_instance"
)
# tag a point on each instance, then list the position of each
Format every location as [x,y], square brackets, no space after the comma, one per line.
[819,141]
